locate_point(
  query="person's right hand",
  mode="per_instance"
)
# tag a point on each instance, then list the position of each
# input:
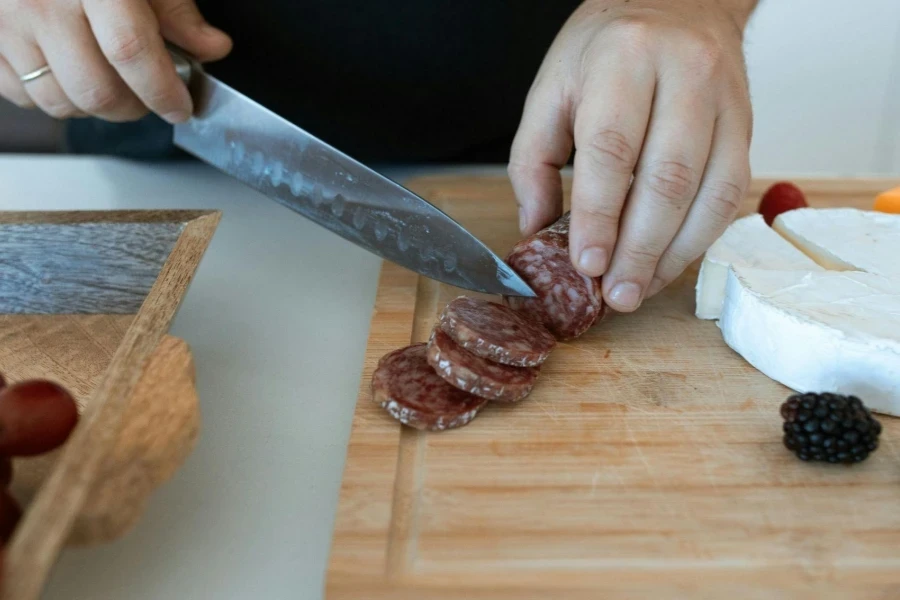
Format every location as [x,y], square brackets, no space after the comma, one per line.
[107,57]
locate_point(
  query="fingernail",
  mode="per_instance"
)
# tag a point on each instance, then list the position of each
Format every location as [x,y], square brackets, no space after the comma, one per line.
[177,116]
[593,261]
[627,296]
[523,219]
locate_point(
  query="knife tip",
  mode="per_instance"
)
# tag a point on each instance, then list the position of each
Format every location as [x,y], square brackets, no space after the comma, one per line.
[525,292]
[513,284]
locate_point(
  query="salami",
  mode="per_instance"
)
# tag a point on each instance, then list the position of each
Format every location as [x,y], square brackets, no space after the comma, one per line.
[562,224]
[567,303]
[407,387]
[476,375]
[496,332]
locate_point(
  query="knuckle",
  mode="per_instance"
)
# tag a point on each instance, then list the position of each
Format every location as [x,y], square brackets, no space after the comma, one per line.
[632,33]
[98,99]
[703,54]
[671,180]
[12,8]
[657,283]
[723,199]
[59,109]
[598,216]
[524,176]
[162,99]
[128,47]
[610,149]
[642,257]
[675,260]
[534,173]
[41,9]
[518,170]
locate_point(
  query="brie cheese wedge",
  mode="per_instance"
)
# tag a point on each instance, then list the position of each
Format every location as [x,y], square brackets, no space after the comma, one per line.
[825,331]
[748,242]
[845,239]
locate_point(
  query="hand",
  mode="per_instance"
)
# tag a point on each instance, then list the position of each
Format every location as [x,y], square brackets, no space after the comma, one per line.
[650,88]
[107,57]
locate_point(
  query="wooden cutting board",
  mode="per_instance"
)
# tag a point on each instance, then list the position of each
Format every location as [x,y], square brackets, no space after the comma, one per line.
[646,464]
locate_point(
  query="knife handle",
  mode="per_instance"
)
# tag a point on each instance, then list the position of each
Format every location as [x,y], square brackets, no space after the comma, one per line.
[185,64]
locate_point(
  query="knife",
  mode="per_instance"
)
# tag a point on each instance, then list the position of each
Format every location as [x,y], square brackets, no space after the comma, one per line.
[285,163]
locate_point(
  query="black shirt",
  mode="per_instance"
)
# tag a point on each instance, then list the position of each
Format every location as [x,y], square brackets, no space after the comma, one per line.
[406,80]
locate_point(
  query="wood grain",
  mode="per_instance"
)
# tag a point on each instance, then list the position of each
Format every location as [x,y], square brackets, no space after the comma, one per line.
[48,521]
[83,262]
[158,430]
[73,349]
[647,463]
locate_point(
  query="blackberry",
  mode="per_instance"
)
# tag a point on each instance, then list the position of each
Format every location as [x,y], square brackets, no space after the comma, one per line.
[829,428]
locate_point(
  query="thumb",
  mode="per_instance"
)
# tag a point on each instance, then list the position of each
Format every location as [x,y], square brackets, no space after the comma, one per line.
[181,23]
[541,148]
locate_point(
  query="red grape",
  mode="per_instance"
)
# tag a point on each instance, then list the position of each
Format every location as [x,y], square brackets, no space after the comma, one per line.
[36,416]
[10,513]
[2,382]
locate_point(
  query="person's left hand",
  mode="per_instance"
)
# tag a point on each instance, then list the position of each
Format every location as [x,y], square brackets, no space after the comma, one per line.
[650,88]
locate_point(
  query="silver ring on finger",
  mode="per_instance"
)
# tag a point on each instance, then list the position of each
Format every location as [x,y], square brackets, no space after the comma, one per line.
[35,74]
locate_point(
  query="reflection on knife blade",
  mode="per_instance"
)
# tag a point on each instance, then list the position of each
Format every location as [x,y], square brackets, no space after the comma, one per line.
[347,211]
[285,163]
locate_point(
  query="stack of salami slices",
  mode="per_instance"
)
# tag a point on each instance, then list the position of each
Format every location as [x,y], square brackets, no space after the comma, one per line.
[482,351]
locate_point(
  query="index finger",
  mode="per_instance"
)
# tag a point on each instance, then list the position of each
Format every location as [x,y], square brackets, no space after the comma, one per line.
[128,34]
[542,146]
[610,126]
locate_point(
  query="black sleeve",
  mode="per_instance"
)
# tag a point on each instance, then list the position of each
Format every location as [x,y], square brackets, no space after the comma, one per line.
[401,80]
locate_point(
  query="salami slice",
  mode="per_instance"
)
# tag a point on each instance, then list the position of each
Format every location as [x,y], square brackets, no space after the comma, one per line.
[407,387]
[476,375]
[568,303]
[496,332]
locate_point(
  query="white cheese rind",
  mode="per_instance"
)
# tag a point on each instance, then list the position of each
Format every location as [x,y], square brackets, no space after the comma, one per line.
[845,239]
[748,242]
[827,331]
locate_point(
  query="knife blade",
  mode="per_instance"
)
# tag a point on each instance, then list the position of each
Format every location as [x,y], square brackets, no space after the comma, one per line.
[247,141]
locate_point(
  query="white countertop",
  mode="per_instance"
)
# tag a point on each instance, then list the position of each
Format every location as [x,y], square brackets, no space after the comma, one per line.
[277,318]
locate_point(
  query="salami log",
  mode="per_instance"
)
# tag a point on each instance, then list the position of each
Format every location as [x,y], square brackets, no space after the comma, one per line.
[476,375]
[407,387]
[567,303]
[496,332]
[562,224]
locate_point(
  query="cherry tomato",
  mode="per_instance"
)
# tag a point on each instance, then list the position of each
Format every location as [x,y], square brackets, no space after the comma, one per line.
[36,416]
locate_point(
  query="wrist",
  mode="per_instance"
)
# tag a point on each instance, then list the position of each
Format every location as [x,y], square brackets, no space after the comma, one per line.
[740,11]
